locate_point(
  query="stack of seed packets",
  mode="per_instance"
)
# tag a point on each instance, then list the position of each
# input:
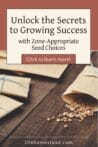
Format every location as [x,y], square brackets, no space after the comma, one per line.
[11,86]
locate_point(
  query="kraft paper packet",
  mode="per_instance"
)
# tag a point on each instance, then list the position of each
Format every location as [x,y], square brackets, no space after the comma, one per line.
[7,105]
[84,87]
[2,54]
[49,70]
[15,86]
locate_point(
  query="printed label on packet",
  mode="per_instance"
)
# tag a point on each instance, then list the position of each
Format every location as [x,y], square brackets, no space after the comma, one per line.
[48,36]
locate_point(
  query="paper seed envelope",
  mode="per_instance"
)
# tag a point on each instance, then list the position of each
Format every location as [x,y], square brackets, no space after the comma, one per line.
[2,54]
[49,70]
[7,105]
[85,84]
[13,85]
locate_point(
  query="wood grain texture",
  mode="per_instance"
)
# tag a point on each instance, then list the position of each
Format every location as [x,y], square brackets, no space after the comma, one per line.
[35,126]
[38,90]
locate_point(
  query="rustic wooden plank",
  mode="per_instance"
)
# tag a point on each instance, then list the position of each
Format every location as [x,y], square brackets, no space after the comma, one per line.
[35,125]
[40,87]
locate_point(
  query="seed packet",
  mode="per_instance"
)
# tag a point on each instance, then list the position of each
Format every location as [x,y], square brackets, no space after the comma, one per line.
[7,105]
[48,70]
[83,89]
[14,85]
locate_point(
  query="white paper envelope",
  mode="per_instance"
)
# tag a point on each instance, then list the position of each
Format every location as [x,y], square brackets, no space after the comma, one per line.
[7,105]
[13,85]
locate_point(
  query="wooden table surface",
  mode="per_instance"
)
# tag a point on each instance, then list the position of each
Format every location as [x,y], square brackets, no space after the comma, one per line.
[28,125]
